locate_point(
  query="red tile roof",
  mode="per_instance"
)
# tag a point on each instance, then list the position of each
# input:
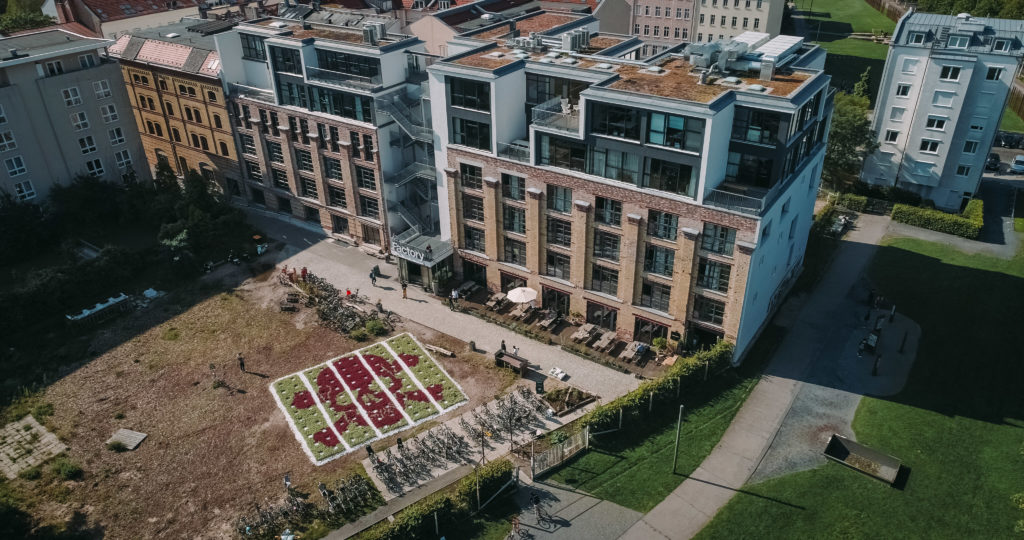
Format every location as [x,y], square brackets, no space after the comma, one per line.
[113,10]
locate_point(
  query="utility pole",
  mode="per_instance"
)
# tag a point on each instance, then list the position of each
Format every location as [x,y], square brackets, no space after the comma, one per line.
[679,426]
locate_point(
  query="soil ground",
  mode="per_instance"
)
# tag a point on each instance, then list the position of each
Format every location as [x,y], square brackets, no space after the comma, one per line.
[211,452]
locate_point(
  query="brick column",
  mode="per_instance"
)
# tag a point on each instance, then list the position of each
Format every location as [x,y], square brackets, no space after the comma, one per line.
[630,258]
[737,289]
[684,274]
[318,169]
[582,242]
[492,218]
[536,233]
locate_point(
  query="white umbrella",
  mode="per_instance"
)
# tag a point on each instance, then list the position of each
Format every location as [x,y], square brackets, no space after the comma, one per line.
[521,295]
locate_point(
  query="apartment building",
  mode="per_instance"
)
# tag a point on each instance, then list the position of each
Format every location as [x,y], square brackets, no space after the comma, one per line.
[725,19]
[662,24]
[332,129]
[656,197]
[172,75]
[63,113]
[943,90]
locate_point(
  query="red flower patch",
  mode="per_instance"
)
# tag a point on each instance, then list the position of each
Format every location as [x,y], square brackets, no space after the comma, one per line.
[436,390]
[376,403]
[302,400]
[410,359]
[389,368]
[326,437]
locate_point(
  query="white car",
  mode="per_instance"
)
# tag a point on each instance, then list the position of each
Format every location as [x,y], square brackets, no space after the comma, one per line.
[1017,165]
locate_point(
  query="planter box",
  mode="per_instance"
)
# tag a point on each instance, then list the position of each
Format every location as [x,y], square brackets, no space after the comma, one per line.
[861,458]
[583,403]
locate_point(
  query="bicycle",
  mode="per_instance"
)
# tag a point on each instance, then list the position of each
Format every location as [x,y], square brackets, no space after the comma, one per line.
[544,519]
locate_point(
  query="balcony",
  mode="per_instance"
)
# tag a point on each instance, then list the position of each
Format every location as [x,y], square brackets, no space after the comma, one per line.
[252,92]
[343,80]
[516,151]
[557,114]
[738,202]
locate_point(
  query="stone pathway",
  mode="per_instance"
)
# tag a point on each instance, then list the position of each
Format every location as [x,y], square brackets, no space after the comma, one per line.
[577,516]
[24,444]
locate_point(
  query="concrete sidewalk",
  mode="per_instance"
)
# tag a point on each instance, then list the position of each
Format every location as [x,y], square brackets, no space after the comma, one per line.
[822,320]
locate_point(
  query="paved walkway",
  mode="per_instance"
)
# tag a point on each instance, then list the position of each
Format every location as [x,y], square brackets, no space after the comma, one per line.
[821,321]
[577,516]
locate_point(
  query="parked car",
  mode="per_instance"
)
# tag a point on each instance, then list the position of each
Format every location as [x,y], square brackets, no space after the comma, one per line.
[1018,164]
[992,163]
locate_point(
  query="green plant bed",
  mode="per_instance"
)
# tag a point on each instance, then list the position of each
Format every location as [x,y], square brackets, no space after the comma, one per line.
[355,434]
[308,421]
[427,371]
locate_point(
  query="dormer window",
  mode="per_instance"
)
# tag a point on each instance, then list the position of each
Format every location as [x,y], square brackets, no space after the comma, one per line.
[958,42]
[916,38]
[1001,45]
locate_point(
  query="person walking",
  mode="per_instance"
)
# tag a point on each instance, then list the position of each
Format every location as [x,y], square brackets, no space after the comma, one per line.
[405,286]
[373,278]
[503,346]
[455,299]
[241,362]
[515,350]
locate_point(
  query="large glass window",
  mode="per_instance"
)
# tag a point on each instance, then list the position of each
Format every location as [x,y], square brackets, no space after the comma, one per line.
[304,160]
[749,170]
[655,295]
[286,60]
[606,245]
[605,280]
[670,176]
[307,187]
[659,260]
[369,207]
[275,152]
[602,316]
[352,64]
[475,239]
[563,153]
[718,239]
[332,101]
[470,133]
[365,178]
[713,275]
[560,199]
[252,47]
[662,225]
[608,211]
[616,121]
[559,232]
[513,187]
[755,126]
[514,219]
[470,94]
[615,164]
[708,310]
[336,197]
[332,168]
[515,252]
[677,132]
[472,176]
[472,207]
[558,265]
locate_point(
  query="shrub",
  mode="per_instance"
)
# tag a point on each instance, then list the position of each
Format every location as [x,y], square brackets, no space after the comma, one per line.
[967,225]
[119,416]
[66,469]
[376,327]
[31,473]
[856,203]
[117,446]
[359,334]
[219,383]
[659,343]
[42,410]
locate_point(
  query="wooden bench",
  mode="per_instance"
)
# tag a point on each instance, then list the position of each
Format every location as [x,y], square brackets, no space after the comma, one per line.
[584,333]
[551,318]
[439,350]
[496,301]
[605,342]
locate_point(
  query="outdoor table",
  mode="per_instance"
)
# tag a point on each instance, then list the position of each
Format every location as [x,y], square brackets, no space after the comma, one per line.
[584,333]
[496,300]
[605,342]
[549,319]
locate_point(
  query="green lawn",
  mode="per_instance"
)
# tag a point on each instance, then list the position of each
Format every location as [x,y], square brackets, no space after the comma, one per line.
[633,467]
[845,16]
[1018,212]
[1011,122]
[957,424]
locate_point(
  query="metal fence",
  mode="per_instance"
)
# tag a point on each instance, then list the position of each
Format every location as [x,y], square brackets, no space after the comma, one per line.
[559,453]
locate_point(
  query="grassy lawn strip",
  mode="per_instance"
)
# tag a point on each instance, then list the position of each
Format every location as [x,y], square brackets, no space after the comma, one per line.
[427,371]
[957,423]
[1011,121]
[1018,212]
[354,434]
[309,421]
[417,410]
[844,16]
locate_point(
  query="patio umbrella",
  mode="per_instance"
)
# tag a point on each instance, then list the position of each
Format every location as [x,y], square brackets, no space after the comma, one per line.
[521,295]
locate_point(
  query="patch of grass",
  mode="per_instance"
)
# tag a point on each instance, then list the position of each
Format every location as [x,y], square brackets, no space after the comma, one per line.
[957,423]
[845,16]
[119,416]
[1018,212]
[1011,121]
[171,334]
[65,469]
[31,473]
[117,446]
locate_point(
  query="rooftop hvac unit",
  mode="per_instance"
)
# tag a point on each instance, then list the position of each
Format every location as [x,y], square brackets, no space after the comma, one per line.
[567,41]
[370,34]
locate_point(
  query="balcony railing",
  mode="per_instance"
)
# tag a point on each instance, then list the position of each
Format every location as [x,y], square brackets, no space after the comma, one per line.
[515,151]
[735,201]
[558,114]
[338,78]
[252,92]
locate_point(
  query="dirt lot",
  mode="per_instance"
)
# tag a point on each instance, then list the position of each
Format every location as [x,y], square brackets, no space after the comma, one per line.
[211,452]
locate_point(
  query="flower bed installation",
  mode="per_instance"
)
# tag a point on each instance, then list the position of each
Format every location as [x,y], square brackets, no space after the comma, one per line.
[360,397]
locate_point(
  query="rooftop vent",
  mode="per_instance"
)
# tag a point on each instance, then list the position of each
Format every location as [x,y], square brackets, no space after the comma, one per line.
[496,54]
[173,35]
[546,61]
[278,24]
[552,55]
[963,16]
[603,65]
[731,80]
[569,61]
[655,69]
[756,88]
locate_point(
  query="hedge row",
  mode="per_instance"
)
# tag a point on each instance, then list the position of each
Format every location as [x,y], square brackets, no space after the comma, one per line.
[849,201]
[452,508]
[688,372]
[967,225]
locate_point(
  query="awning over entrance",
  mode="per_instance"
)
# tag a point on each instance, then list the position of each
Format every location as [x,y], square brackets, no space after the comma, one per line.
[423,250]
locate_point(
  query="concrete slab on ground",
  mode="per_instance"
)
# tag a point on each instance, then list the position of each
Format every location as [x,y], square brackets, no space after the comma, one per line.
[26,443]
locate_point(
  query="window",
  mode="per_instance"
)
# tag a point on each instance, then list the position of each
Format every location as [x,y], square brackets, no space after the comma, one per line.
[332,168]
[621,165]
[916,38]
[274,152]
[602,316]
[3,115]
[336,197]
[675,34]
[657,30]
[701,18]
[993,74]
[15,166]
[476,240]
[657,11]
[636,28]
[714,275]
[749,169]
[286,60]
[708,310]
[903,90]
[186,90]
[24,190]
[659,260]
[757,23]
[559,199]
[307,187]
[891,135]
[211,96]
[54,68]
[958,42]
[910,65]
[647,29]
[655,295]
[949,73]
[929,146]
[963,170]
[1001,45]
[79,121]
[216,121]
[970,147]
[718,239]
[746,22]
[280,179]
[472,176]
[734,22]
[95,167]
[712,20]
[248,144]
[755,126]
[109,113]
[87,144]
[681,133]
[304,160]
[102,89]
[792,232]
[86,61]
[608,212]
[513,187]
[472,134]
[559,232]
[472,207]
[935,123]
[7,141]
[515,252]
[662,225]
[367,145]
[615,121]
[606,245]
[470,94]
[71,96]
[896,114]
[942,99]
[123,159]
[366,179]
[558,265]
[369,207]
[679,13]
[605,280]
[513,219]
[253,169]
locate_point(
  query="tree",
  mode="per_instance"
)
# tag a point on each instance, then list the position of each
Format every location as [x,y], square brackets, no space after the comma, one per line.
[863,86]
[850,140]
[23,20]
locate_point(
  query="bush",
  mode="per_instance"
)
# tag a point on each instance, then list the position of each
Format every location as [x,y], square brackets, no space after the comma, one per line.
[887,193]
[42,410]
[376,327]
[659,343]
[66,469]
[117,446]
[359,334]
[31,473]
[856,203]
[967,225]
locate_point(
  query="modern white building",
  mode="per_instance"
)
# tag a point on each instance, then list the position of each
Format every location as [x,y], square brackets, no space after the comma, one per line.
[944,88]
[725,19]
